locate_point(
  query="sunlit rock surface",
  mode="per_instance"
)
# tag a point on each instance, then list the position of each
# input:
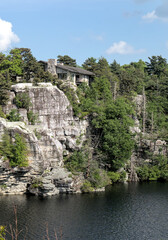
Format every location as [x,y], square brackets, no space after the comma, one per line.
[56,132]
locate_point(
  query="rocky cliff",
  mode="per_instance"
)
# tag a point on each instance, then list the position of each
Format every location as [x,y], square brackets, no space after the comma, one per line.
[54,135]
[147,144]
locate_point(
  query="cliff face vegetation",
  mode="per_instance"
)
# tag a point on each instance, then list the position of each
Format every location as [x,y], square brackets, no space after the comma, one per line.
[50,133]
[57,137]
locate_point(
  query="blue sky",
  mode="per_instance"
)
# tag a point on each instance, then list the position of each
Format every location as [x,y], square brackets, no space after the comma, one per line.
[124,30]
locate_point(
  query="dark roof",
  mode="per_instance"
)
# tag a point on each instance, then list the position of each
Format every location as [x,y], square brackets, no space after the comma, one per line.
[72,69]
[42,61]
[75,69]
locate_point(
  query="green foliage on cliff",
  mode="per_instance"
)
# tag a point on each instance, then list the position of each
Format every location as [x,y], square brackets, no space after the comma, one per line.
[19,152]
[32,117]
[107,103]
[14,116]
[22,100]
[156,170]
[15,150]
[2,114]
[6,146]
[4,88]
[87,187]
[110,121]
[77,162]
[20,63]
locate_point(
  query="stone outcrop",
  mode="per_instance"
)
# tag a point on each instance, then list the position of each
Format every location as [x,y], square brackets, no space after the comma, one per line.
[147,146]
[56,133]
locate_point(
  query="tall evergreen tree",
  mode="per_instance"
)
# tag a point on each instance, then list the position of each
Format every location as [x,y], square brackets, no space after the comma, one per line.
[4,88]
[66,60]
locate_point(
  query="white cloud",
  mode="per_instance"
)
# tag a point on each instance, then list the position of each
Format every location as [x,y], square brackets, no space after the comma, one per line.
[7,36]
[122,48]
[151,16]
[161,13]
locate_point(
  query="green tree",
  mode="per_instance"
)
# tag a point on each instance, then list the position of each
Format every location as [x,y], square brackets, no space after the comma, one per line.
[110,123]
[19,152]
[16,63]
[131,78]
[90,64]
[30,66]
[4,89]
[117,142]
[157,66]
[32,117]
[101,90]
[22,100]
[6,146]
[66,60]
[14,150]
[115,67]
[5,63]
[77,162]
[103,68]
[14,116]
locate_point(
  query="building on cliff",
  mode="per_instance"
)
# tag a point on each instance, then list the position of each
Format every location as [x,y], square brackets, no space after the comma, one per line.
[64,72]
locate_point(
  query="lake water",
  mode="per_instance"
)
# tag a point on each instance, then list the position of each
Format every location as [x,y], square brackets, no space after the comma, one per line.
[123,212]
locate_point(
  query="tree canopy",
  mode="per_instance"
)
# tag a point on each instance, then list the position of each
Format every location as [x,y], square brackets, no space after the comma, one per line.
[107,102]
[66,60]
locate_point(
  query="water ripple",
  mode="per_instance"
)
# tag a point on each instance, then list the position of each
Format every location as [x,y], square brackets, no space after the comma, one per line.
[123,212]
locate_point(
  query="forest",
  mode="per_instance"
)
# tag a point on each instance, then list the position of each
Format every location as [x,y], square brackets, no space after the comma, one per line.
[108,104]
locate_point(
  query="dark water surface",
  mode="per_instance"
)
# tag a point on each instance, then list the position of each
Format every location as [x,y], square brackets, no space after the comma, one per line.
[123,212]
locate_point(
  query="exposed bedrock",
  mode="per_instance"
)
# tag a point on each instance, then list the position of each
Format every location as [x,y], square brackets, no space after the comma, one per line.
[55,132]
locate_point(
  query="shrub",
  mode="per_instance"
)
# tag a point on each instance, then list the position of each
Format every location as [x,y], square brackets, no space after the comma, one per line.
[36,183]
[4,87]
[143,173]
[22,100]
[32,117]
[2,114]
[122,176]
[154,173]
[3,186]
[19,152]
[149,173]
[157,170]
[77,162]
[114,176]
[99,178]
[15,152]
[6,146]
[14,116]
[37,134]
[36,80]
[87,187]
[164,174]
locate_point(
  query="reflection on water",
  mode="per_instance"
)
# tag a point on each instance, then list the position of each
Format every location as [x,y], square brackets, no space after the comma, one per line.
[124,211]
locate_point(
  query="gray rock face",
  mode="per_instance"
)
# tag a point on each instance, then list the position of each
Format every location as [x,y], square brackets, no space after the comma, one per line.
[138,100]
[146,147]
[55,133]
